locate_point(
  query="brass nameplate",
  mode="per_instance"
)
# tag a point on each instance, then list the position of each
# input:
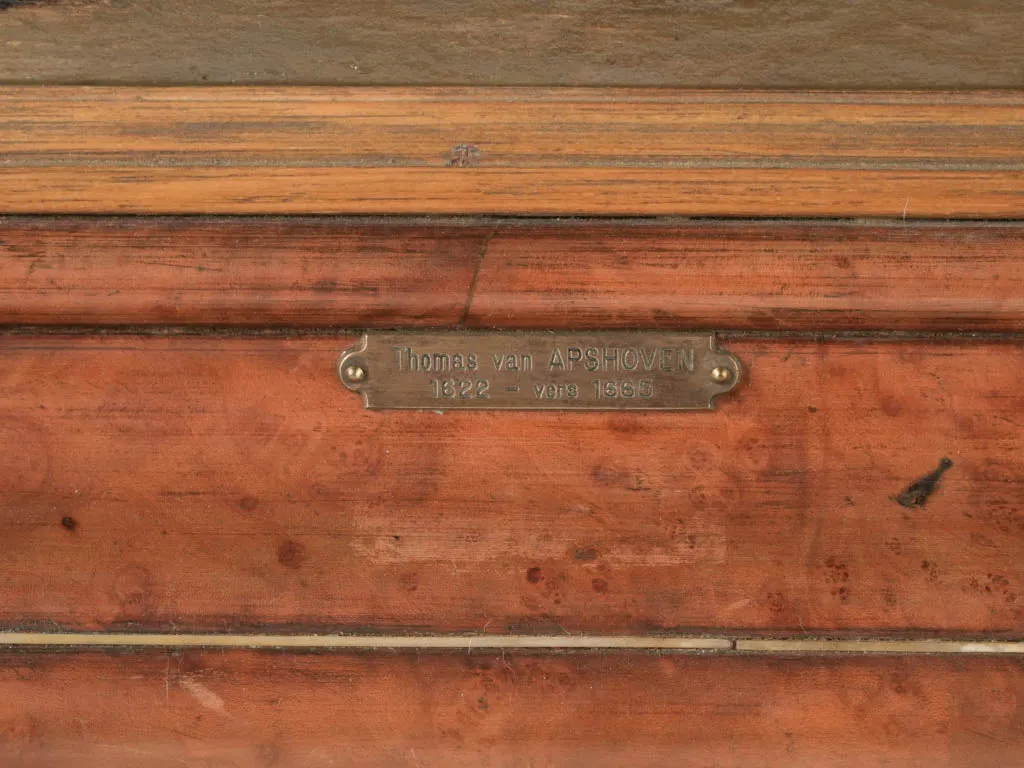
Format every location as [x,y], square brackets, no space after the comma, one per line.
[539,370]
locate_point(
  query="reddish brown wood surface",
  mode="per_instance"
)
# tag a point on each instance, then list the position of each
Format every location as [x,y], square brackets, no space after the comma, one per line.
[307,711]
[754,276]
[247,272]
[197,483]
[387,273]
[517,151]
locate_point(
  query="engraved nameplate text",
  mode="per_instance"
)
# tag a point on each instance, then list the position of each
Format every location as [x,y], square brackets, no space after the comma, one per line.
[539,370]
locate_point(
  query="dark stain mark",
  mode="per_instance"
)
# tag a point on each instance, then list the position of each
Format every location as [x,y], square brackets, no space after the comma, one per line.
[482,703]
[248,503]
[325,286]
[997,585]
[639,486]
[463,156]
[931,569]
[600,586]
[604,475]
[586,554]
[982,540]
[396,537]
[291,554]
[811,409]
[838,574]
[70,523]
[409,581]
[699,459]
[698,496]
[196,267]
[917,493]
[6,5]
[535,575]
[626,425]
[1000,582]
[134,590]
[891,406]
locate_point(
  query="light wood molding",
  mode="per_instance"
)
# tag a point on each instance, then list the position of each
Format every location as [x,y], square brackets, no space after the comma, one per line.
[516,151]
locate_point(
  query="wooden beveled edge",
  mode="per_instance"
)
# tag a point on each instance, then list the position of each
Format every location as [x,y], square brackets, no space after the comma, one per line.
[470,643]
[518,151]
[299,274]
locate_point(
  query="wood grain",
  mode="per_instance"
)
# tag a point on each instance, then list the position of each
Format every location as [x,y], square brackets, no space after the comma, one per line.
[770,276]
[254,272]
[511,151]
[310,272]
[305,711]
[230,484]
[700,43]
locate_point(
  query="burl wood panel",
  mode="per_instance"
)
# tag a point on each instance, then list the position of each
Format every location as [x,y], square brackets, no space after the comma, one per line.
[307,711]
[702,43]
[567,274]
[193,483]
[511,151]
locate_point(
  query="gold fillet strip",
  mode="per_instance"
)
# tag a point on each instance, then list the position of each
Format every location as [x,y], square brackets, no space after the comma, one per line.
[509,642]
[877,646]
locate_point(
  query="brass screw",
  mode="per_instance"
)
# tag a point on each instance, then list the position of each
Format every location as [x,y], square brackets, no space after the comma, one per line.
[355,373]
[721,375]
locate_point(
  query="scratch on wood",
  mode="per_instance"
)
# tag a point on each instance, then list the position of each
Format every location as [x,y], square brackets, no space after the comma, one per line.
[203,695]
[476,276]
